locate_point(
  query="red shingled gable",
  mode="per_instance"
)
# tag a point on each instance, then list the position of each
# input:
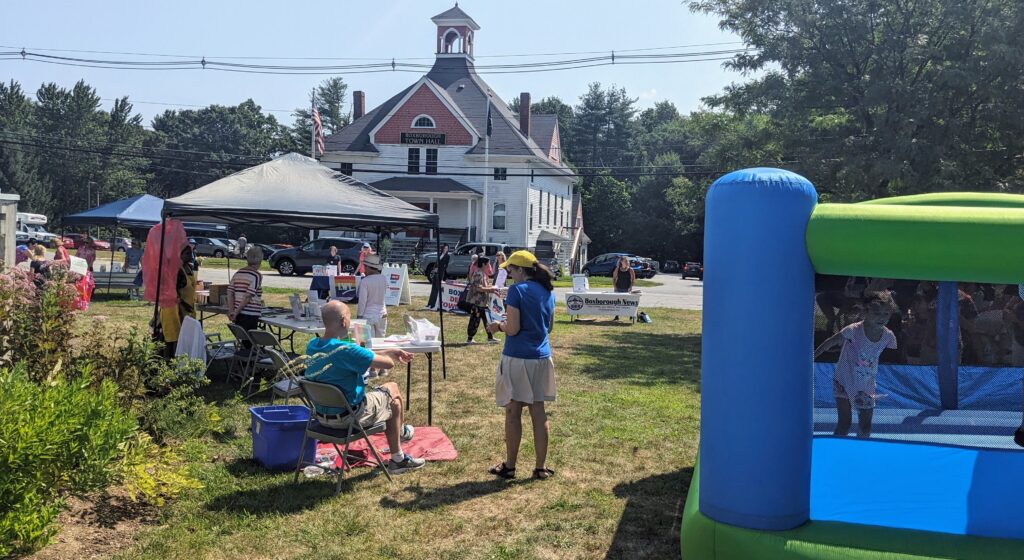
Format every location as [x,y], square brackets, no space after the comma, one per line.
[424,102]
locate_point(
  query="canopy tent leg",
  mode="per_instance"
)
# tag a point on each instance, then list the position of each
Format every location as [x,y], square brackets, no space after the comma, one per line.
[159,274]
[440,305]
[110,275]
[947,339]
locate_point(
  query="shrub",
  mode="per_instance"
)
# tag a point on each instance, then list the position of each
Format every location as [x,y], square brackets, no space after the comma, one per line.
[36,322]
[153,473]
[61,436]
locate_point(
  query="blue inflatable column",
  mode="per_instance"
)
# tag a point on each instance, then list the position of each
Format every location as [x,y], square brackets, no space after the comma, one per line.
[758,337]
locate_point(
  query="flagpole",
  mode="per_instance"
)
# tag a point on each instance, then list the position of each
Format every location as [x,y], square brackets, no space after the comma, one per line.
[487,172]
[312,127]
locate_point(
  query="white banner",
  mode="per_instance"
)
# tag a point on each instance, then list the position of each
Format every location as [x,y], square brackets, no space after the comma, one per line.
[605,303]
[450,292]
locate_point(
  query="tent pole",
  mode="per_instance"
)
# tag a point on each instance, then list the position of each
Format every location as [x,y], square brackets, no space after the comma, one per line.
[111,270]
[159,274]
[440,302]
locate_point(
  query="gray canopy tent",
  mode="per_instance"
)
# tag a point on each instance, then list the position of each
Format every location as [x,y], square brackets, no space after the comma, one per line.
[295,190]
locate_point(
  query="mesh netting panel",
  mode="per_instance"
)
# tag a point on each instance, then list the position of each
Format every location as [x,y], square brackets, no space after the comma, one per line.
[979,406]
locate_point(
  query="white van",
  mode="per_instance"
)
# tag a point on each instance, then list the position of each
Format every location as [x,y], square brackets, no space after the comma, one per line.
[34,226]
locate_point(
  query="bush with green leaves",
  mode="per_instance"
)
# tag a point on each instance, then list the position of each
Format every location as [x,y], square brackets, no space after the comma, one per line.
[60,436]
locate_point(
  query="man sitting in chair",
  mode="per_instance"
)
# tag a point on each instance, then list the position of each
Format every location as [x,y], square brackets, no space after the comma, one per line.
[336,360]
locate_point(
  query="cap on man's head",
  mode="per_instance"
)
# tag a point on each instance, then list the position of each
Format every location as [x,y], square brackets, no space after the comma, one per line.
[366,245]
[523,259]
[372,261]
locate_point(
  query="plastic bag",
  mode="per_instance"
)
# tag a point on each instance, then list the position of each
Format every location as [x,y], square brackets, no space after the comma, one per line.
[422,331]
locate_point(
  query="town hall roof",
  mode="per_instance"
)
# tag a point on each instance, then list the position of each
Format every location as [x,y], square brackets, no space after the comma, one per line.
[455,14]
[464,87]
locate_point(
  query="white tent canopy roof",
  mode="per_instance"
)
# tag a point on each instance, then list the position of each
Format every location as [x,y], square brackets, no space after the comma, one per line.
[295,190]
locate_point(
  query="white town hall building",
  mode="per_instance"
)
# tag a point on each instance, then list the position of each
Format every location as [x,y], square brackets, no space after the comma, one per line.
[428,145]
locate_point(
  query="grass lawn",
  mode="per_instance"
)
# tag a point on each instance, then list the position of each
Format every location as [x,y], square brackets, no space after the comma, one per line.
[623,442]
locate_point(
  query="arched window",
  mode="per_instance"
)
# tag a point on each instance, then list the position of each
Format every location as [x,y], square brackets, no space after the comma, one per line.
[498,218]
[452,42]
[423,121]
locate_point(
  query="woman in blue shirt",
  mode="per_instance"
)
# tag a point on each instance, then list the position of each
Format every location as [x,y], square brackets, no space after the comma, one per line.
[526,374]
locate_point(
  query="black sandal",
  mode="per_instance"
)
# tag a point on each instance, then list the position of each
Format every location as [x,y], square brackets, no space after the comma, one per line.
[543,474]
[501,470]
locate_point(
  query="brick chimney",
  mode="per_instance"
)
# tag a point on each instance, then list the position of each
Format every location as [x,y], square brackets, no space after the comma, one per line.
[524,113]
[358,104]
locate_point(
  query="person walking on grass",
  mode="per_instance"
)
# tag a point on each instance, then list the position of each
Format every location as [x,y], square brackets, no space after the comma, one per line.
[526,372]
[479,299]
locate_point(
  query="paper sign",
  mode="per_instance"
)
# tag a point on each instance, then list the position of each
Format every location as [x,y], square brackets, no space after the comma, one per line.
[79,266]
[580,283]
[496,309]
[398,284]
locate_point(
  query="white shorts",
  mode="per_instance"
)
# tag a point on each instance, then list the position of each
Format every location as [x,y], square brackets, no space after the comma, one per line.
[526,381]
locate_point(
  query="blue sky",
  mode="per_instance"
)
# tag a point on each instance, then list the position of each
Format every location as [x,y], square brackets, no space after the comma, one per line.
[377,29]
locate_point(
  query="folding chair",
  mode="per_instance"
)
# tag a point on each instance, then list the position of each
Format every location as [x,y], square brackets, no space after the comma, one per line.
[218,349]
[325,395]
[283,383]
[244,357]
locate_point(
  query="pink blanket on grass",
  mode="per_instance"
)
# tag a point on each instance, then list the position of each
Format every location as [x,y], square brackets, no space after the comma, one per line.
[428,442]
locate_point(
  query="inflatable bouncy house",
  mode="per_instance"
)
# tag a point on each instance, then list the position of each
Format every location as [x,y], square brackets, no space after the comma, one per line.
[939,474]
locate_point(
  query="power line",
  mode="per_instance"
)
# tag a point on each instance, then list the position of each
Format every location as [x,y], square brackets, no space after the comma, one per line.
[379,59]
[204,63]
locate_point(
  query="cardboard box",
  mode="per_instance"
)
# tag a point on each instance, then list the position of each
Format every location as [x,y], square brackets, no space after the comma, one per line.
[218,294]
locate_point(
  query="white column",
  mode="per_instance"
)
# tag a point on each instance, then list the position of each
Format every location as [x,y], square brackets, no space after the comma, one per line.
[469,217]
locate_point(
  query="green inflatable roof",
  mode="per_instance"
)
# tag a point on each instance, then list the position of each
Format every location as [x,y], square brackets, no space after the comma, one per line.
[965,237]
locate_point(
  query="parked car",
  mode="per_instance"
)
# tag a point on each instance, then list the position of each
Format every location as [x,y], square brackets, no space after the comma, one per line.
[209,247]
[122,244]
[604,264]
[302,259]
[462,257]
[267,249]
[74,241]
[232,244]
[670,266]
[693,270]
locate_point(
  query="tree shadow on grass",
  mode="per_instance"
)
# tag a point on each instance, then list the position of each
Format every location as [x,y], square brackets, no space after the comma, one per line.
[643,358]
[283,497]
[426,500]
[650,524]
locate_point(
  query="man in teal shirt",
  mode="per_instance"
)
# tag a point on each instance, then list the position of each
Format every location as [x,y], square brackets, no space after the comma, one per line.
[336,360]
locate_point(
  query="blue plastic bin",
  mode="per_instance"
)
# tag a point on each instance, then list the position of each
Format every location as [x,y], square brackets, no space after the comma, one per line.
[277,436]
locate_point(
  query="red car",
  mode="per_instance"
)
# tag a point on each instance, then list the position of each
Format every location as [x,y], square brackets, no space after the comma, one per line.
[74,240]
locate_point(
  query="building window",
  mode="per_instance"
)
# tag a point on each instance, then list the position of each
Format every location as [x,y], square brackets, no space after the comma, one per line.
[531,216]
[501,174]
[547,219]
[431,161]
[423,121]
[345,169]
[414,161]
[498,218]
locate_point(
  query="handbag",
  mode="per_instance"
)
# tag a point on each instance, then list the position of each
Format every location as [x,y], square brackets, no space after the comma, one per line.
[463,303]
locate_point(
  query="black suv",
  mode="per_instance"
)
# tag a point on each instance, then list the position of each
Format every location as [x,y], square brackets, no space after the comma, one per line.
[693,269]
[300,260]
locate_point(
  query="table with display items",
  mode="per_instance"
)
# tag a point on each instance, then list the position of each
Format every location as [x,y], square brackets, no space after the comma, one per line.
[610,304]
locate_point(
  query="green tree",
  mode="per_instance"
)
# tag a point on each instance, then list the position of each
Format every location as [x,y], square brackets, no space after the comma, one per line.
[331,95]
[882,98]
[602,128]
[194,147]
[18,162]
[606,211]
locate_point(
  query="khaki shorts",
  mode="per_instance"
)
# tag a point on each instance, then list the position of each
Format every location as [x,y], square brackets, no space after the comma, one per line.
[526,381]
[375,408]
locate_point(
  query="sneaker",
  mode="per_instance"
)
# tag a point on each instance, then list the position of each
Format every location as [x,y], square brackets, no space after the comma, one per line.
[493,341]
[470,341]
[409,463]
[407,432]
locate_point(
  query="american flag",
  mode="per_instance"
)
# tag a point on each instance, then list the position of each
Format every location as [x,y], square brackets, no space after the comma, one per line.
[318,130]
